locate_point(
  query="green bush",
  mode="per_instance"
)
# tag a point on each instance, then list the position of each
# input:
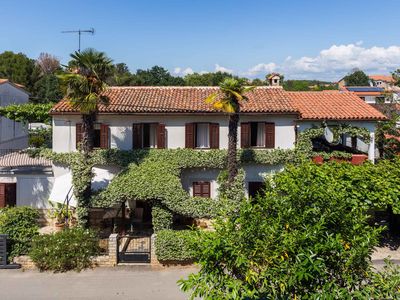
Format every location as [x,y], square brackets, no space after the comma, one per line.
[307,237]
[20,224]
[175,245]
[70,249]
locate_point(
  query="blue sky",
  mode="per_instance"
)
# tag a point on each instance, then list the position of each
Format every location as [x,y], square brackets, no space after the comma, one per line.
[302,39]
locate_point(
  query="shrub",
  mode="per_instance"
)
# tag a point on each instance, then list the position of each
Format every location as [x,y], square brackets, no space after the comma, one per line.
[70,249]
[307,237]
[20,224]
[175,245]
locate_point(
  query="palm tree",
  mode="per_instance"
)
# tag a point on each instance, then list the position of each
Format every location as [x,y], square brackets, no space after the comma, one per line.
[228,99]
[84,85]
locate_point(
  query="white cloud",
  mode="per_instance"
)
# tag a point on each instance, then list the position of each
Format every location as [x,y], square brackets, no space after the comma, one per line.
[219,68]
[182,72]
[261,69]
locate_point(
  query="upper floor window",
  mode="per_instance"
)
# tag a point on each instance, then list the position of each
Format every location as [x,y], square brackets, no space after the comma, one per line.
[202,135]
[148,135]
[257,135]
[100,136]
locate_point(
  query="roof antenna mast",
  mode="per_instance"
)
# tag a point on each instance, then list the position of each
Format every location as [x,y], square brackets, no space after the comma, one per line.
[79,32]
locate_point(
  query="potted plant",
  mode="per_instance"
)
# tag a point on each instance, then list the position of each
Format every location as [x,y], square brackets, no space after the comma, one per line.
[59,214]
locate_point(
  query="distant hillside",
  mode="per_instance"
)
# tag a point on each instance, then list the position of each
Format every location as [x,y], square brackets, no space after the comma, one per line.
[308,85]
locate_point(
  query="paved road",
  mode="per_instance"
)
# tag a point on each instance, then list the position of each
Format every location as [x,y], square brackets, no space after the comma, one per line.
[101,283]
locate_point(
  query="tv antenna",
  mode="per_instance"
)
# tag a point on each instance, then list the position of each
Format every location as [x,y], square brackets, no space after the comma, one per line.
[79,32]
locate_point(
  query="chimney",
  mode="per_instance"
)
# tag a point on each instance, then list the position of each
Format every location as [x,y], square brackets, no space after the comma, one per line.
[274,79]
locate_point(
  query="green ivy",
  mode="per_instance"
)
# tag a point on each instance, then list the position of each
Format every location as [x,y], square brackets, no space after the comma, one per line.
[28,112]
[155,174]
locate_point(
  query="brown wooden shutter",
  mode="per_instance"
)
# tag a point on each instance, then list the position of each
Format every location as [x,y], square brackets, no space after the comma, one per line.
[189,135]
[201,189]
[214,135]
[196,189]
[160,136]
[270,135]
[205,189]
[104,136]
[2,195]
[137,142]
[79,133]
[245,135]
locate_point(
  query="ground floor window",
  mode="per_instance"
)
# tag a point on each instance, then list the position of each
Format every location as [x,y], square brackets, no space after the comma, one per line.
[8,194]
[255,188]
[201,189]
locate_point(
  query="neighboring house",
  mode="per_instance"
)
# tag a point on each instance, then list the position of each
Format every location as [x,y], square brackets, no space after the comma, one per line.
[387,82]
[24,181]
[369,94]
[13,135]
[178,117]
[274,79]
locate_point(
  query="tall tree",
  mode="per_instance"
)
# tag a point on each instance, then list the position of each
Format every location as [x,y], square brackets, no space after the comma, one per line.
[357,78]
[84,84]
[229,99]
[18,68]
[48,63]
[156,76]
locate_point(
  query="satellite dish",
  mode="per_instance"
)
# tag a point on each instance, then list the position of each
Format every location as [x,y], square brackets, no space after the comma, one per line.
[328,135]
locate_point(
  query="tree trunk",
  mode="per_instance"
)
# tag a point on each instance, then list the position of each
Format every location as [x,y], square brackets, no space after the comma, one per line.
[232,147]
[88,121]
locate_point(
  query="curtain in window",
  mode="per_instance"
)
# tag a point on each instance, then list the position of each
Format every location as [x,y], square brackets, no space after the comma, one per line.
[202,136]
[260,135]
[153,136]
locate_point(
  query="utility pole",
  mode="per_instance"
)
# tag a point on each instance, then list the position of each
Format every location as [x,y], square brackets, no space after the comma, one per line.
[79,32]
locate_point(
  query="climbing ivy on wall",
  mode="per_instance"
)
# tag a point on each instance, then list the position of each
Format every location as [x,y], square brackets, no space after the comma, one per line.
[155,174]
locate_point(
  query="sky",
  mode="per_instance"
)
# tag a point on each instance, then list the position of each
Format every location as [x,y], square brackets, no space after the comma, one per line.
[302,39]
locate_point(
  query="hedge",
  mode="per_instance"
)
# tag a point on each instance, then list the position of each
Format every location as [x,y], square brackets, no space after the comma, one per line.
[176,245]
[20,224]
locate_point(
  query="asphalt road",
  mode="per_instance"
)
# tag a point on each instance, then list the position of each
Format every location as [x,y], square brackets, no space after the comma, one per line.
[101,283]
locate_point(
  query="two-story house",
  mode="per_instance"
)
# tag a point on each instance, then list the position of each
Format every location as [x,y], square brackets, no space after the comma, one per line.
[178,117]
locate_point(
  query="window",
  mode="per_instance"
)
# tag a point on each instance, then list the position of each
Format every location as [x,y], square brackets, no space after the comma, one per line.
[8,194]
[255,188]
[201,189]
[202,133]
[257,135]
[100,137]
[148,135]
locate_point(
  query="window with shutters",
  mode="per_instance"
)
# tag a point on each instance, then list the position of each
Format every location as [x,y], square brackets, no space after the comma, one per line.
[201,189]
[257,135]
[148,135]
[100,136]
[202,135]
[8,194]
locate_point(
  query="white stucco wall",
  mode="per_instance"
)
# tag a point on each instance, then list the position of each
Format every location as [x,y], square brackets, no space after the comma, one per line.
[64,133]
[32,189]
[11,132]
[253,172]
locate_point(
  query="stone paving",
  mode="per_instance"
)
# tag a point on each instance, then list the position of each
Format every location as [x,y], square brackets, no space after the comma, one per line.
[133,283]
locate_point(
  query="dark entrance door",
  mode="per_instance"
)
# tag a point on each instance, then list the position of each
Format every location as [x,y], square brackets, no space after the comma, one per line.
[134,249]
[8,194]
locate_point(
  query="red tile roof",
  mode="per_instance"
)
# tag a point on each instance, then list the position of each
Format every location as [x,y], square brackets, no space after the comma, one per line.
[324,105]
[183,100]
[386,78]
[17,159]
[333,105]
